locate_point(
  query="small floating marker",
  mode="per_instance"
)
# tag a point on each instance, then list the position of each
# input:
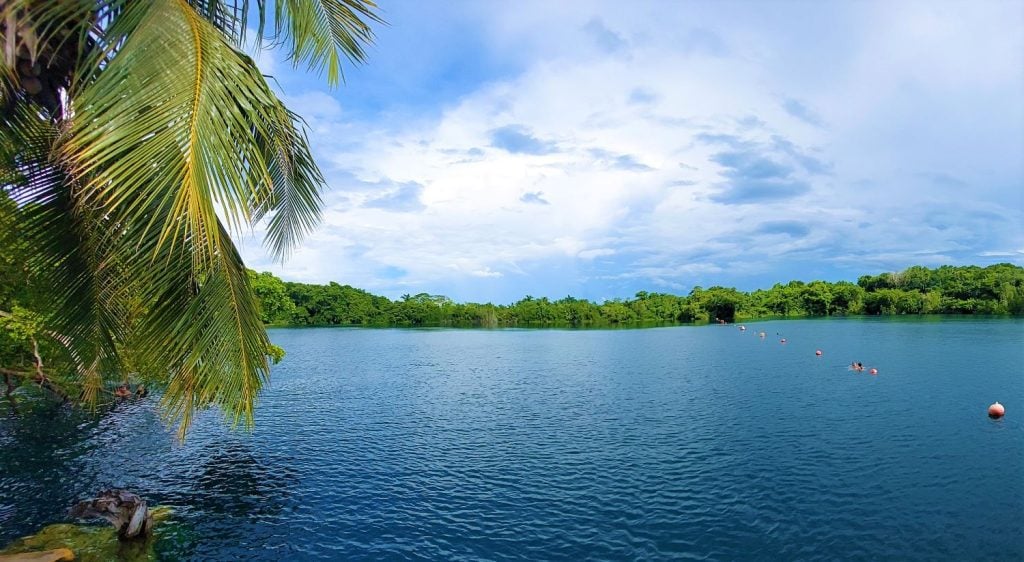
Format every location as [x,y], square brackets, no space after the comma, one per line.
[818,353]
[996,411]
[873,371]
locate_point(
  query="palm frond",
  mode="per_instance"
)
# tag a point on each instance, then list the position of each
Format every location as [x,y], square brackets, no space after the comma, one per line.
[205,325]
[324,33]
[66,249]
[296,186]
[201,132]
[320,33]
[227,16]
[185,139]
[136,136]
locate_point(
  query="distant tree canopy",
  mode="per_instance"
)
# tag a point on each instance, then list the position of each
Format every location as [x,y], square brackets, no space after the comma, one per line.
[997,290]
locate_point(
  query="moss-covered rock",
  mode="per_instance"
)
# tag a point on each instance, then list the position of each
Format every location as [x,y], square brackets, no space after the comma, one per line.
[92,543]
[55,555]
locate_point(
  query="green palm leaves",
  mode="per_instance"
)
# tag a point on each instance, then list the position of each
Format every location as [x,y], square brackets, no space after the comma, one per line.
[324,32]
[135,135]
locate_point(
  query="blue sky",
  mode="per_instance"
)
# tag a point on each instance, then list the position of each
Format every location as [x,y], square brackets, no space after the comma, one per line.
[491,150]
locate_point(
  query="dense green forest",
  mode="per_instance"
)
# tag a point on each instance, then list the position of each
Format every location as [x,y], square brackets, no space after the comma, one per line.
[997,289]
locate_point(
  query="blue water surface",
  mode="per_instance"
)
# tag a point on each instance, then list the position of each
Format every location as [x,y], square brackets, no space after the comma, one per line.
[665,443]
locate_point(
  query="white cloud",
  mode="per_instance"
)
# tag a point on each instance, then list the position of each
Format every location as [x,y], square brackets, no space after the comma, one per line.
[606,151]
[485,272]
[595,253]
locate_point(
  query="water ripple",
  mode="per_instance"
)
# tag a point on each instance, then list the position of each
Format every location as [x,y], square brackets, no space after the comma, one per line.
[682,443]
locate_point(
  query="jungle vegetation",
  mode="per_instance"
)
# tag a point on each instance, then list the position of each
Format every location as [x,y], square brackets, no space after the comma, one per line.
[994,290]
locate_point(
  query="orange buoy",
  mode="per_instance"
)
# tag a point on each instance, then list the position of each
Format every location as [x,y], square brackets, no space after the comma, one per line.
[996,410]
[818,353]
[873,371]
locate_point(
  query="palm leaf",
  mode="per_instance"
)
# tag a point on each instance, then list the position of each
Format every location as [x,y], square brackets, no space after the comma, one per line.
[227,16]
[324,33]
[66,249]
[202,132]
[296,186]
[320,33]
[218,350]
[155,137]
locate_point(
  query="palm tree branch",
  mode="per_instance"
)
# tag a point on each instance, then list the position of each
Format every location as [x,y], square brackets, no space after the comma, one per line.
[64,255]
[321,32]
[170,139]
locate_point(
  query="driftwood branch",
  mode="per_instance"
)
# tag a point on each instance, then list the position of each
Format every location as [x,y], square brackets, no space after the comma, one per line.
[37,358]
[38,377]
[124,510]
[65,341]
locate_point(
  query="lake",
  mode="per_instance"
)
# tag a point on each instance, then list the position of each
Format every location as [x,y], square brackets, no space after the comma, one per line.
[681,442]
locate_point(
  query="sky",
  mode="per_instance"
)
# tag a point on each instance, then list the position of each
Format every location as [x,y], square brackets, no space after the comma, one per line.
[491,150]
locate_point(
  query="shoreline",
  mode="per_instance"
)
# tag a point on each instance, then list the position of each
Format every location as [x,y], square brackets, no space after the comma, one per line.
[640,325]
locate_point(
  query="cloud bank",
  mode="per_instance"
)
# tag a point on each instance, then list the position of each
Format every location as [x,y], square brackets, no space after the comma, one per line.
[596,153]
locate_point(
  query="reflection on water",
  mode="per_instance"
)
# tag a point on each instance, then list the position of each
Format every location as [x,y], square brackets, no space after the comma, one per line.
[549,444]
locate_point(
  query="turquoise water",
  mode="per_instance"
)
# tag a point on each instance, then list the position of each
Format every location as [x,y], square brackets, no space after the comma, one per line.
[683,442]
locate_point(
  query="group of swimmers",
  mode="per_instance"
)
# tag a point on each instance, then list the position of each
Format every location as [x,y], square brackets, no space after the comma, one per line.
[123,391]
[855,366]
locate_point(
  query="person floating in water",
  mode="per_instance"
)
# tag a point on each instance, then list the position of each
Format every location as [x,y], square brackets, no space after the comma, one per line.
[122,391]
[140,391]
[857,366]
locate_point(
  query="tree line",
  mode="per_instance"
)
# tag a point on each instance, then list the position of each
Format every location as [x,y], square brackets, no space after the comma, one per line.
[993,290]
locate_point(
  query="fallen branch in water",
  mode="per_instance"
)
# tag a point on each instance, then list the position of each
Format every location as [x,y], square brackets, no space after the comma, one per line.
[126,511]
[37,377]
